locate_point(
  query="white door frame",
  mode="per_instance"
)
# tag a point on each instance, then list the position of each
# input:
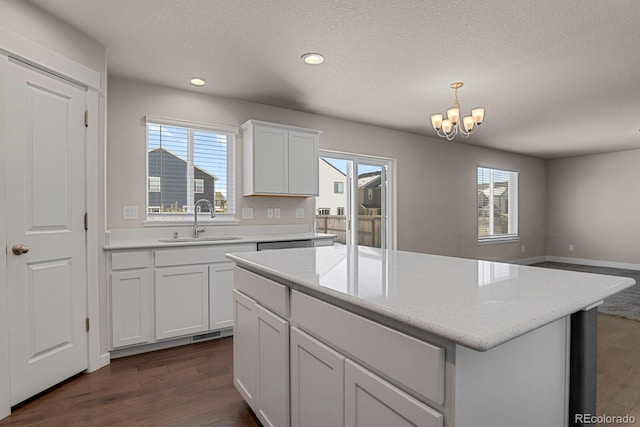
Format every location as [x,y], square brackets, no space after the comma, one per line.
[17,46]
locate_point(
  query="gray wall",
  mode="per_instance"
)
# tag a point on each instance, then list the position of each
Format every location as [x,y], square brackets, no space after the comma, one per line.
[593,203]
[436,182]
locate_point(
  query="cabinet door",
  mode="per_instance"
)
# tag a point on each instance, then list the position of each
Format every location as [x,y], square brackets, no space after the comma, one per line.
[370,400]
[182,301]
[303,163]
[270,161]
[273,369]
[245,347]
[130,299]
[317,383]
[221,296]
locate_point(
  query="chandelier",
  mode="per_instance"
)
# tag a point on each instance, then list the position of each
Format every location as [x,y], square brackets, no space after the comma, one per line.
[450,127]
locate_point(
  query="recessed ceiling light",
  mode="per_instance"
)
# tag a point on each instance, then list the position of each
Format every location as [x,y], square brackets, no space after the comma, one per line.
[197,81]
[312,58]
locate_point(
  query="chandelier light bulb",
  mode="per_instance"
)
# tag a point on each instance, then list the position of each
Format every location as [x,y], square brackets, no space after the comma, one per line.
[447,126]
[436,121]
[468,123]
[478,115]
[453,114]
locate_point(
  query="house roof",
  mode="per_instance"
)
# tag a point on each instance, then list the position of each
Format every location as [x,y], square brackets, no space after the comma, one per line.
[162,151]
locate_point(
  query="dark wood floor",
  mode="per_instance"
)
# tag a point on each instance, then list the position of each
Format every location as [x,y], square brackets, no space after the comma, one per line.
[193,386]
[618,368]
[183,386]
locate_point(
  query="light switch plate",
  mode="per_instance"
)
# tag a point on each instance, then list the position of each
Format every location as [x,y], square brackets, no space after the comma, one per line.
[276,213]
[269,213]
[300,213]
[247,213]
[129,212]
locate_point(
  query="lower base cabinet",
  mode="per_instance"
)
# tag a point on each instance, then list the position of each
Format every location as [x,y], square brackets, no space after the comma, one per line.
[371,401]
[328,389]
[182,301]
[317,383]
[261,360]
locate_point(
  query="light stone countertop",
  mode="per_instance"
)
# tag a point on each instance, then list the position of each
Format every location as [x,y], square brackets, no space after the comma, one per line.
[478,304]
[155,243]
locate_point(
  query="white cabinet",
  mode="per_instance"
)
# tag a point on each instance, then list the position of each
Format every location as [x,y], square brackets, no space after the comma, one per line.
[261,355]
[272,405]
[280,160]
[220,295]
[317,383]
[181,301]
[370,400]
[130,298]
[245,344]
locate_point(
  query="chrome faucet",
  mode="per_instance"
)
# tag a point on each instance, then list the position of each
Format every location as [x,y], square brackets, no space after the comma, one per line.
[196,230]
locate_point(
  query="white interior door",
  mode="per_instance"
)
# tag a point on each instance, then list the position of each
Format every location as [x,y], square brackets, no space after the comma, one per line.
[45,213]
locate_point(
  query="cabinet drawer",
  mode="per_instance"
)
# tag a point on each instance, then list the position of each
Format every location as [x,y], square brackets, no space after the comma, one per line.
[129,259]
[415,364]
[198,255]
[266,292]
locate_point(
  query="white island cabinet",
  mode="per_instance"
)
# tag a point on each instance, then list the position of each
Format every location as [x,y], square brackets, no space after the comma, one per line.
[279,160]
[261,349]
[395,338]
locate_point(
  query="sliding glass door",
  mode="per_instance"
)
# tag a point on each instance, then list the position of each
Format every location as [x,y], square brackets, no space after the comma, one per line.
[354,200]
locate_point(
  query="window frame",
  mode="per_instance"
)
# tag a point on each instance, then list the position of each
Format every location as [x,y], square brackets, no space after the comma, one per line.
[513,215]
[200,181]
[229,217]
[156,181]
[338,187]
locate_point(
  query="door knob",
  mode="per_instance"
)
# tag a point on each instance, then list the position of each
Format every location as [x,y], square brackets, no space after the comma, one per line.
[20,249]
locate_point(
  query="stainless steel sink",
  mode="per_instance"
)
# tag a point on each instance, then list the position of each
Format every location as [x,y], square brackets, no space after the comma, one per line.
[199,239]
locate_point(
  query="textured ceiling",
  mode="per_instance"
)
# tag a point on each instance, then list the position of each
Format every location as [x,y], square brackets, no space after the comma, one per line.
[557,78]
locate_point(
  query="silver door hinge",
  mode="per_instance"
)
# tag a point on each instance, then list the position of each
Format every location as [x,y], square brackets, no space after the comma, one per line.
[86,221]
[87,324]
[86,118]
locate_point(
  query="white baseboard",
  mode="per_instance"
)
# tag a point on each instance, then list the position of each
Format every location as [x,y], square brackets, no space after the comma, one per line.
[594,262]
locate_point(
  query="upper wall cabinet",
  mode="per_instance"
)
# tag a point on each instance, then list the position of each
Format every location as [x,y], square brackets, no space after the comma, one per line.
[279,160]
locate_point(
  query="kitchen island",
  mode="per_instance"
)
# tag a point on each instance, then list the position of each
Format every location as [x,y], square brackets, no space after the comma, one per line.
[363,336]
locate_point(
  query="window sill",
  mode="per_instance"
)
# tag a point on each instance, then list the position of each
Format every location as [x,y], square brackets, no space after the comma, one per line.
[167,222]
[496,240]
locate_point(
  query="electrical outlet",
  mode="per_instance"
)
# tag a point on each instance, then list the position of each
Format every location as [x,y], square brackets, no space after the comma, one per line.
[276,213]
[522,248]
[269,213]
[571,247]
[299,213]
[247,213]
[129,212]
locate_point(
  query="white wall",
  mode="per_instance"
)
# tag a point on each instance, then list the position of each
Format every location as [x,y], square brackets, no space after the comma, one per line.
[436,185]
[593,203]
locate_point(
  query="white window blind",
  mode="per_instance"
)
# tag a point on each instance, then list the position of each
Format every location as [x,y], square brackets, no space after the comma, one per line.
[497,205]
[187,162]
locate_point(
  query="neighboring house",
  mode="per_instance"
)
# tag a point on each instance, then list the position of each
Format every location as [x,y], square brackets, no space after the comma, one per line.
[500,208]
[369,194]
[332,191]
[167,191]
